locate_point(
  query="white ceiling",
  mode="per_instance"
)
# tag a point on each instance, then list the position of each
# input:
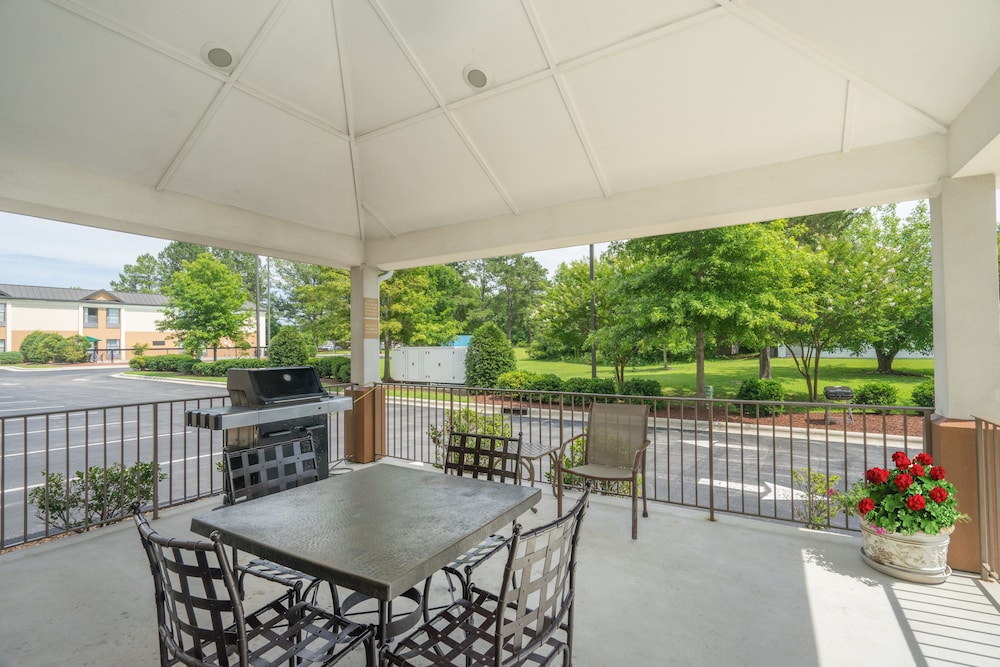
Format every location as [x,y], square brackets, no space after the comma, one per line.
[345,133]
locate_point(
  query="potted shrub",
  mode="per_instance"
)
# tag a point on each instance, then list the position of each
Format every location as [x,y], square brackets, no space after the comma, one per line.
[907,516]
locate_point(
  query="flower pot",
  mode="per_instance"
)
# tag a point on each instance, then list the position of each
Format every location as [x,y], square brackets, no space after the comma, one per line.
[920,557]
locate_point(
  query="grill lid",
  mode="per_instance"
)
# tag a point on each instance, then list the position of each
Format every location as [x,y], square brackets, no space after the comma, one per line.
[256,387]
[834,393]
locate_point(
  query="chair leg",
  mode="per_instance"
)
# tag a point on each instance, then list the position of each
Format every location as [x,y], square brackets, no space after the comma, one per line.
[645,509]
[635,511]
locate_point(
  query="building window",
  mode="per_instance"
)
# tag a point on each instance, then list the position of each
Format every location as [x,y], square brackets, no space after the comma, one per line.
[3,314]
[157,343]
[114,317]
[90,317]
[3,345]
[114,349]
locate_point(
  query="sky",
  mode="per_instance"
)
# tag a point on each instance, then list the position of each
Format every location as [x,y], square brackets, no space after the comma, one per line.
[56,254]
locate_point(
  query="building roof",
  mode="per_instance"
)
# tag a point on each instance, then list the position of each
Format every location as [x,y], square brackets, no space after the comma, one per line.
[38,293]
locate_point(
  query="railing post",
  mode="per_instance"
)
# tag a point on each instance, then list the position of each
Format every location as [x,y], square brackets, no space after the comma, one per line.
[711,470]
[156,460]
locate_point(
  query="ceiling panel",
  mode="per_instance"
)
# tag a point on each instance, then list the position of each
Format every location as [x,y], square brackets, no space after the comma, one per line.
[528,139]
[446,36]
[679,107]
[422,176]
[303,40]
[932,55]
[576,27]
[298,172]
[384,86]
[92,98]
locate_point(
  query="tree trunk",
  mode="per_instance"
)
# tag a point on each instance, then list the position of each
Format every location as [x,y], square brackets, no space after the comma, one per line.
[666,366]
[699,357]
[764,363]
[386,371]
[885,359]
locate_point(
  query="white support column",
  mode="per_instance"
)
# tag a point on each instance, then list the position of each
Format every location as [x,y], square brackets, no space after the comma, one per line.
[364,325]
[966,302]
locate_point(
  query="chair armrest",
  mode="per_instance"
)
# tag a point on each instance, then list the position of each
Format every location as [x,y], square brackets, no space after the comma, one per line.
[562,448]
[640,455]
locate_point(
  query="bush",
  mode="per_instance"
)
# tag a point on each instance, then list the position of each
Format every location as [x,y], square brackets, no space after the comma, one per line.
[923,394]
[221,367]
[877,393]
[102,495]
[545,382]
[166,363]
[465,420]
[139,363]
[335,367]
[489,355]
[756,389]
[288,347]
[11,358]
[581,386]
[514,380]
[72,350]
[40,347]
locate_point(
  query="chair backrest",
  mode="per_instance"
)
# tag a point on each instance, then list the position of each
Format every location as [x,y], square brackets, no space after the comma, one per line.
[615,432]
[198,611]
[260,471]
[493,457]
[539,581]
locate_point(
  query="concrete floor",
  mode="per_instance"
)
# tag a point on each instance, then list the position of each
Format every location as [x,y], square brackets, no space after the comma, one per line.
[687,592]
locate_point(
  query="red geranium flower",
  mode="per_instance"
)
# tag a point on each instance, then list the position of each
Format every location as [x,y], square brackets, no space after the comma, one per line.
[923,458]
[877,476]
[939,494]
[917,470]
[937,473]
[865,506]
[901,460]
[903,481]
[916,503]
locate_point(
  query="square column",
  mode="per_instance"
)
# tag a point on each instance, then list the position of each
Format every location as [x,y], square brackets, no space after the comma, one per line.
[364,325]
[966,301]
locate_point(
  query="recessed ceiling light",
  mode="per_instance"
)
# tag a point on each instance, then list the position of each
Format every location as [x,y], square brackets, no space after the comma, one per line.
[217,55]
[475,76]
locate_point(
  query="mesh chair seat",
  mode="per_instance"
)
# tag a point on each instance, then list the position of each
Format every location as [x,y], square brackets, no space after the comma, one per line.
[201,620]
[596,471]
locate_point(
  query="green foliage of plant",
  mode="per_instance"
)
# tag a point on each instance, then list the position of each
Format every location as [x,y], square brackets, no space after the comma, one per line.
[221,367]
[513,380]
[914,496]
[817,501]
[289,347]
[140,349]
[38,347]
[604,388]
[335,367]
[755,389]
[465,420]
[877,393]
[923,394]
[168,362]
[99,496]
[139,362]
[636,387]
[489,355]
[11,358]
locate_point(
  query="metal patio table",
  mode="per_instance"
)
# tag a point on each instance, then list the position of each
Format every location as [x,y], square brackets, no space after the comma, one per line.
[379,531]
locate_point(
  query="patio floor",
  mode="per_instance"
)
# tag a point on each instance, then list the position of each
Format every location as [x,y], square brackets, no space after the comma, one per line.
[688,592]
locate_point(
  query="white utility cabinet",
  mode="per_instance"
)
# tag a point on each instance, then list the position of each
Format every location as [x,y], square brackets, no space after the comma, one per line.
[445,365]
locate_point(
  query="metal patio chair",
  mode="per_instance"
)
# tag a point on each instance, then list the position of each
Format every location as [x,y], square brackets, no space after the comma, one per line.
[201,620]
[529,620]
[614,450]
[495,458]
[254,472]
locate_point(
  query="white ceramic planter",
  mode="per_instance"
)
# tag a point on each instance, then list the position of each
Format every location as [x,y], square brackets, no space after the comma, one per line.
[919,557]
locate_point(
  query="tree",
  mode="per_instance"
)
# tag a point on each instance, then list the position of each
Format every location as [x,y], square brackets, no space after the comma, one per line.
[490,355]
[206,302]
[721,284]
[142,277]
[506,288]
[896,294]
[561,320]
[413,311]
[151,275]
[317,299]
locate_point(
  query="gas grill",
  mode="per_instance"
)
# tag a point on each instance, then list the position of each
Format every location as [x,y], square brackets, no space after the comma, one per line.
[271,406]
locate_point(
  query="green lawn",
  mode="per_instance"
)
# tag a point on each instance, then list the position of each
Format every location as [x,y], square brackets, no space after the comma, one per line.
[725,375]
